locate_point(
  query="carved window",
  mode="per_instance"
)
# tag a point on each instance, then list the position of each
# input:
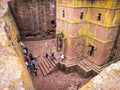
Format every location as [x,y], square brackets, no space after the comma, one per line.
[52,22]
[63,13]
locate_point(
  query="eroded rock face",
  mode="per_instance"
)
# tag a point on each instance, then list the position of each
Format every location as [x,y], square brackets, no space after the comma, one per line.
[13,72]
[108,79]
[35,18]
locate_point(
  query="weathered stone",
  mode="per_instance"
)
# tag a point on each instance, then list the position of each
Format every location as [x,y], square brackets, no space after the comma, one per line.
[108,79]
[34,18]
[13,73]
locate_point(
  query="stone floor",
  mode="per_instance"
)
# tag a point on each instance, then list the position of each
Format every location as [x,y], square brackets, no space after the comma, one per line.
[57,80]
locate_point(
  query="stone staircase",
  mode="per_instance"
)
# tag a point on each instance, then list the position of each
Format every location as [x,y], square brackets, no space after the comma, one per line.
[69,65]
[87,68]
[47,66]
[83,66]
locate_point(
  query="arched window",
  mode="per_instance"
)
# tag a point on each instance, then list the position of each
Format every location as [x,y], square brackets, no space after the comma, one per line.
[99,17]
[63,13]
[81,16]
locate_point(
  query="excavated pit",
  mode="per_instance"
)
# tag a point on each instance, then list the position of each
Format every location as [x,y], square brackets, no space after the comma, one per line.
[57,80]
[34,34]
[36,22]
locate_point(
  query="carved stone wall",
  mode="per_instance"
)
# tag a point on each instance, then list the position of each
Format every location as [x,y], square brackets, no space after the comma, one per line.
[13,72]
[35,18]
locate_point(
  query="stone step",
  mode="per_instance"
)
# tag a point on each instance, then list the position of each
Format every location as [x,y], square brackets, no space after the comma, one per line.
[52,63]
[87,64]
[55,61]
[45,68]
[72,63]
[68,62]
[96,69]
[84,68]
[84,71]
[73,60]
[68,65]
[47,65]
[51,66]
[42,69]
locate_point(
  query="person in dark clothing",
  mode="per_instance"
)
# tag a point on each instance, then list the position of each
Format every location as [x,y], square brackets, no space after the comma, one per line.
[26,60]
[52,56]
[35,71]
[31,56]
[33,60]
[30,65]
[25,50]
[33,65]
[46,55]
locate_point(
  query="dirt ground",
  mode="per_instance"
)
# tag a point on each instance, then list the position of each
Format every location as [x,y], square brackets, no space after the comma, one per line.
[57,80]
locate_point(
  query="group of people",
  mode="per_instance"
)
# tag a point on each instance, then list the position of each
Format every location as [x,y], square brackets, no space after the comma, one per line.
[51,56]
[29,59]
[30,63]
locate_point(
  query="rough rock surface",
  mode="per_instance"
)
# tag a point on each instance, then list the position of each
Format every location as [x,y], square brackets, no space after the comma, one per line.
[35,18]
[108,79]
[13,73]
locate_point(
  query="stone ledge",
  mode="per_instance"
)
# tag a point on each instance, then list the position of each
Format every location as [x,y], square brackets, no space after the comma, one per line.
[83,66]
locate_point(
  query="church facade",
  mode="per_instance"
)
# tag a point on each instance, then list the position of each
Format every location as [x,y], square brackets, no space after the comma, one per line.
[88,28]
